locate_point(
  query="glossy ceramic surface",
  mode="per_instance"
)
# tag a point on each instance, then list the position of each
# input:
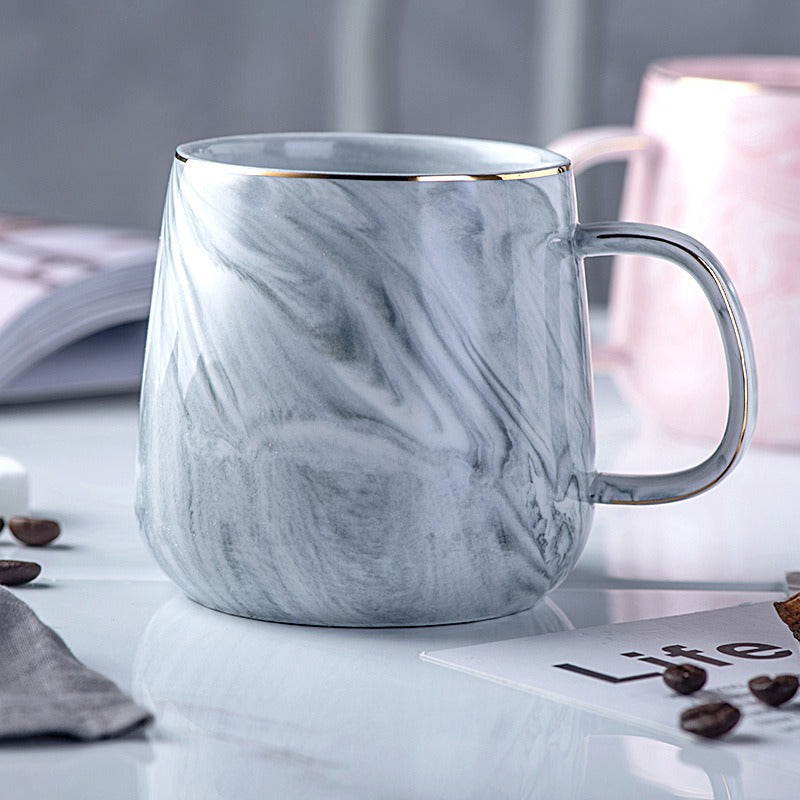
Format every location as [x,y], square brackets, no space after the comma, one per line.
[371,393]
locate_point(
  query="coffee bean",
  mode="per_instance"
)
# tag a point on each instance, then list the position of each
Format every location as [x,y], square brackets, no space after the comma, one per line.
[34,532]
[710,720]
[15,573]
[774,691]
[685,678]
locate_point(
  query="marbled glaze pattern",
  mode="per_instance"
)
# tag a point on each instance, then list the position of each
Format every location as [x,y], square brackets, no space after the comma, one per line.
[366,402]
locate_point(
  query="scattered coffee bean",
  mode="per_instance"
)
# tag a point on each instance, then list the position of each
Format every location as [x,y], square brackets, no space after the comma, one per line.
[15,573]
[685,678]
[710,720]
[34,532]
[774,691]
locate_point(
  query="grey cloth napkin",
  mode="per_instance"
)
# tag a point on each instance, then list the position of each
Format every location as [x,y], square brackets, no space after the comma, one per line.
[45,690]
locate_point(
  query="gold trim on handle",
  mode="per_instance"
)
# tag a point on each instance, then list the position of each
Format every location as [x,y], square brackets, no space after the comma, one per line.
[364,176]
[742,361]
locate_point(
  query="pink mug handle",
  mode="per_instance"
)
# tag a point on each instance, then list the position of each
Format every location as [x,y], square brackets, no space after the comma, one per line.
[589,147]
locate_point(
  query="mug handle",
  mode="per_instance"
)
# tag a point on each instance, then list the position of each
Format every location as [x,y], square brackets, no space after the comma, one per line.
[588,147]
[614,238]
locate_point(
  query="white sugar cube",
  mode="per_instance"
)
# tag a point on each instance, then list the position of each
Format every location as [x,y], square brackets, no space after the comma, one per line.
[13,488]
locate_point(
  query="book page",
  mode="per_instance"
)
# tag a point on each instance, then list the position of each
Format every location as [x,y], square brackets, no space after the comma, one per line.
[38,258]
[65,287]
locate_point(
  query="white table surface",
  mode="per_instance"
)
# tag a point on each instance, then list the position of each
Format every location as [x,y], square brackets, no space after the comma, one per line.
[251,709]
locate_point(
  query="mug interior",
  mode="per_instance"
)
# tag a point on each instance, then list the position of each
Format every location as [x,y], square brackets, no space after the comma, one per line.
[764,72]
[372,155]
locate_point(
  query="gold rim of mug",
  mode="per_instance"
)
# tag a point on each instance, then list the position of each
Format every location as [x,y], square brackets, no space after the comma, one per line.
[363,176]
[668,69]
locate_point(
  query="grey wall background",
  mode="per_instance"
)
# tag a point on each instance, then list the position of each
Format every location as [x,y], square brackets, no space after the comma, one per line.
[95,94]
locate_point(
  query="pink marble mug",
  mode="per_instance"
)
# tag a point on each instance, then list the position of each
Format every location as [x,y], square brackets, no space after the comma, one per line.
[715,152]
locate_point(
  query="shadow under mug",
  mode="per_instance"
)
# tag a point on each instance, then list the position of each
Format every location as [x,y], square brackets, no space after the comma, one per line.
[715,152]
[367,393]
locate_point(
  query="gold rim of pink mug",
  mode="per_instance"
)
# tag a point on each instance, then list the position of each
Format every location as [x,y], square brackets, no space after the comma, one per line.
[669,69]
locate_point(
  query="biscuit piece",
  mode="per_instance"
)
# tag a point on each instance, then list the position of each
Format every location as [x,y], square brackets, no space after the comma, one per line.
[789,611]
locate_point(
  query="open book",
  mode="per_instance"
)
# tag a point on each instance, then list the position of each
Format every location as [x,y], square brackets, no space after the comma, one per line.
[74,301]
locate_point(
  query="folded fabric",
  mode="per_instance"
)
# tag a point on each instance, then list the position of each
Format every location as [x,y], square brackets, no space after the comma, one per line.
[45,690]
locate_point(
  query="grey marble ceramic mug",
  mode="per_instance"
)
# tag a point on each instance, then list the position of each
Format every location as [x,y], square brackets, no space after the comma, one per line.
[367,395]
